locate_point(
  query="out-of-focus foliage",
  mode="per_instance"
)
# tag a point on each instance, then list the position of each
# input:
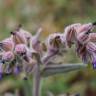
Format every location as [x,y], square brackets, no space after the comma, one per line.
[53,16]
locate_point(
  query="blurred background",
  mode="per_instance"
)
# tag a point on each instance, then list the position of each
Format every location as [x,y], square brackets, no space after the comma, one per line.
[52,16]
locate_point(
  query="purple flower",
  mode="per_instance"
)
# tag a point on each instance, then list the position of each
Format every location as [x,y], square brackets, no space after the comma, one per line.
[1,76]
[77,31]
[91,48]
[87,52]
[82,52]
[16,70]
[93,58]
[94,64]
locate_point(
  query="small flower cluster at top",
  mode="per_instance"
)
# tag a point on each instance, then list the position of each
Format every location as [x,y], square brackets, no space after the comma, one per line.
[18,52]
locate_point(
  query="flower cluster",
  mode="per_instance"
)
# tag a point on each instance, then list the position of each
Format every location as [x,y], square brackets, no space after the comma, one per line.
[84,39]
[18,52]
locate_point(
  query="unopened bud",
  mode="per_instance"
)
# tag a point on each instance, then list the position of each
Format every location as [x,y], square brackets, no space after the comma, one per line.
[8,56]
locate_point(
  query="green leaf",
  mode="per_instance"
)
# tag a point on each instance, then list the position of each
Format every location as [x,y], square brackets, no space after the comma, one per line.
[63,68]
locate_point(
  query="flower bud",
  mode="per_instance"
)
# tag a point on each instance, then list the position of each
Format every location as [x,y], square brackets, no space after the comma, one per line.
[84,28]
[35,42]
[27,34]
[70,34]
[7,44]
[92,37]
[8,56]
[55,40]
[19,38]
[53,43]
[91,48]
[83,38]
[20,49]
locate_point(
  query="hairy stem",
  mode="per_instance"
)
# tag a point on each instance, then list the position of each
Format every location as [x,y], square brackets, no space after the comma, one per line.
[36,80]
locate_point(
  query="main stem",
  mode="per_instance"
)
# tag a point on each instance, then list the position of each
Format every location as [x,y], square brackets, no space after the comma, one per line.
[36,80]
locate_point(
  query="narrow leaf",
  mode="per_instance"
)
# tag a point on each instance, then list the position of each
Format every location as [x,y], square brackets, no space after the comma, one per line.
[61,68]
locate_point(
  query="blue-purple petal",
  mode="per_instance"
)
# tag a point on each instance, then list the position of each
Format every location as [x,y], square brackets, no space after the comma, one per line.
[0,76]
[94,64]
[17,70]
